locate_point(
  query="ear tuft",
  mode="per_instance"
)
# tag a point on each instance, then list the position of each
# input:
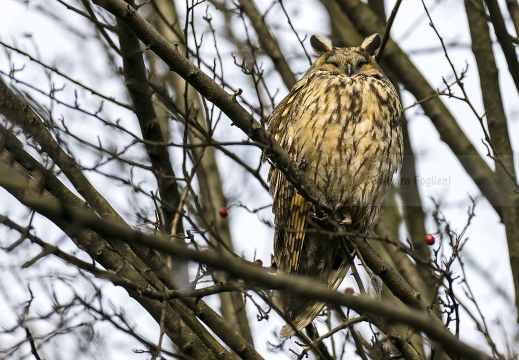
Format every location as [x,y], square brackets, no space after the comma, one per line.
[320,45]
[371,44]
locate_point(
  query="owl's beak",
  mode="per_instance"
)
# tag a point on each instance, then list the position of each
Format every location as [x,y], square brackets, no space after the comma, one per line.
[348,69]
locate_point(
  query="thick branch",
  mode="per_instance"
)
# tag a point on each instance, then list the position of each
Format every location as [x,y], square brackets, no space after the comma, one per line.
[306,287]
[137,84]
[18,111]
[215,94]
[114,255]
[513,9]
[160,275]
[505,40]
[367,23]
[497,129]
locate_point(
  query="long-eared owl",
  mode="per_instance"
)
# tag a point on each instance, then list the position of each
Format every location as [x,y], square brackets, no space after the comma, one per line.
[341,125]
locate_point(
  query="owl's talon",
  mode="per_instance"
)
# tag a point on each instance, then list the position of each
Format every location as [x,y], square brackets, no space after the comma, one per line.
[318,214]
[347,219]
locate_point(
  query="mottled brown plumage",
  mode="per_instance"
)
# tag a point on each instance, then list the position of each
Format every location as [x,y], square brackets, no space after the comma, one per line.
[341,124]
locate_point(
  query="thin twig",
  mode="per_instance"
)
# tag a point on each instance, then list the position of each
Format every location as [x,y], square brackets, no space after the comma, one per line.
[389,24]
[34,350]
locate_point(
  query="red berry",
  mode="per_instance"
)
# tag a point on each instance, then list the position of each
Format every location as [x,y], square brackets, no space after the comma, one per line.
[258,263]
[349,290]
[223,212]
[429,239]
[206,249]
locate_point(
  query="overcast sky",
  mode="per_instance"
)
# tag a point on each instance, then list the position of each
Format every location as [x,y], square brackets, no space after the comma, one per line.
[440,175]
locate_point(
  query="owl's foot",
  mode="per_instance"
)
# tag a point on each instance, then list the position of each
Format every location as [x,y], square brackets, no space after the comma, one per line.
[345,213]
[347,218]
[318,214]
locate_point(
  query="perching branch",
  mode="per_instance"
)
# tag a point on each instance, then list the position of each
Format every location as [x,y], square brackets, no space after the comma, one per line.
[111,228]
[215,94]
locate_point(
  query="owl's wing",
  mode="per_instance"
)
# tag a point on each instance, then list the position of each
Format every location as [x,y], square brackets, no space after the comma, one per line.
[299,252]
[277,121]
[289,207]
[291,211]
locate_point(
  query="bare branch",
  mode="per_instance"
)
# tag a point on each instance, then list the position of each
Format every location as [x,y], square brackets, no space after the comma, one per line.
[137,85]
[267,41]
[312,288]
[450,132]
[505,40]
[214,93]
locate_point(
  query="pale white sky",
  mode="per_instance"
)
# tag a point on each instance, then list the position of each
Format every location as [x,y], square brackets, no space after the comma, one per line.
[24,26]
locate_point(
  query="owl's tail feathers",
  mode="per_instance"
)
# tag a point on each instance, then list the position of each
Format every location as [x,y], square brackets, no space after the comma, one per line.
[301,311]
[302,320]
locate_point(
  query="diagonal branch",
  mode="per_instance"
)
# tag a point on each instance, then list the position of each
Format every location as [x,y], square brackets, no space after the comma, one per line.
[14,108]
[505,39]
[113,256]
[513,9]
[367,23]
[215,94]
[103,252]
[137,84]
[389,24]
[306,287]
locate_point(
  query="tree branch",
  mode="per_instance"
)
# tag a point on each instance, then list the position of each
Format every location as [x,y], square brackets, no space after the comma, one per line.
[215,94]
[114,255]
[268,43]
[306,287]
[505,40]
[367,23]
[190,105]
[497,129]
[137,84]
[103,252]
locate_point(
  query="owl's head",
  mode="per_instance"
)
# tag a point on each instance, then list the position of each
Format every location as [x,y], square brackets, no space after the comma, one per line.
[352,61]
